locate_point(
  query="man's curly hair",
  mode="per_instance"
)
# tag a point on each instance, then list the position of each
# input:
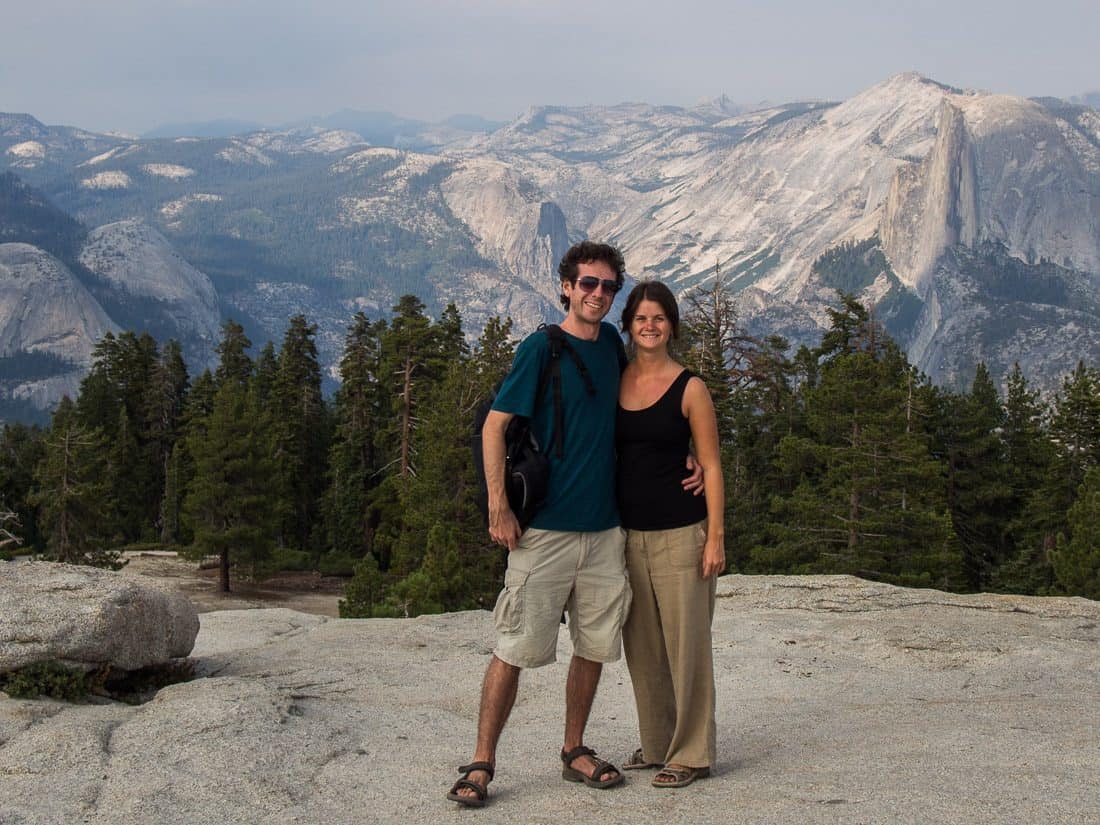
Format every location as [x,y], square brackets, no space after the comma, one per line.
[586,252]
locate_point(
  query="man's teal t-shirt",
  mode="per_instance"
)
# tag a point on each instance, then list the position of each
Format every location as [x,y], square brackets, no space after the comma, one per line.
[582,482]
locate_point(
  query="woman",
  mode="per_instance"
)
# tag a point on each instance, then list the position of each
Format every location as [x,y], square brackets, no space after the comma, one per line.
[675,542]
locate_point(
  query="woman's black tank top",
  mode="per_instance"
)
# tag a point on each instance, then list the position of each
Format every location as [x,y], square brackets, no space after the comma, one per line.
[652,446]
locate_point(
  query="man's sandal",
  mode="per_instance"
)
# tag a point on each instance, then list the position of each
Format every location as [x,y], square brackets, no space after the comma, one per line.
[678,777]
[480,791]
[570,774]
[637,762]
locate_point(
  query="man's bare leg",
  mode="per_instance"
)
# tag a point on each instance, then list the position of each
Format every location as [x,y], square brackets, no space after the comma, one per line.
[498,694]
[580,691]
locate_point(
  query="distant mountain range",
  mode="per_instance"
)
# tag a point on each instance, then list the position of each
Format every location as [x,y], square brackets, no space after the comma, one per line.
[969,221]
[221,128]
[376,128]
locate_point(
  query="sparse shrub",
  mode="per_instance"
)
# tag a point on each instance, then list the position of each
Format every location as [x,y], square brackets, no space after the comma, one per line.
[284,558]
[49,679]
[337,564]
[54,680]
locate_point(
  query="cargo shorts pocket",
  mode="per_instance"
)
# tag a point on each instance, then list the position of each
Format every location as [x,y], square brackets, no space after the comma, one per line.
[508,615]
[598,623]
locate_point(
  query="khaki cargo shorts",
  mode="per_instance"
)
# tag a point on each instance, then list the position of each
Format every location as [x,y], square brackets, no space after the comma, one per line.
[551,571]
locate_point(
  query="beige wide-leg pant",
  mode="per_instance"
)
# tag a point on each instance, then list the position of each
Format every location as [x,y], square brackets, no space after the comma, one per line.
[668,645]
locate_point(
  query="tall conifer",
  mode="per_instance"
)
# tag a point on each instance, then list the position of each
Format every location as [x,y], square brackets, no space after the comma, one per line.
[980,491]
[229,502]
[869,497]
[1076,560]
[69,492]
[299,431]
[354,460]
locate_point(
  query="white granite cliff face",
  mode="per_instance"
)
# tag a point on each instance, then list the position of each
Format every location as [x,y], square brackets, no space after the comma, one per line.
[136,259]
[678,193]
[522,234]
[943,177]
[928,168]
[1005,169]
[932,205]
[1038,178]
[45,309]
[1006,172]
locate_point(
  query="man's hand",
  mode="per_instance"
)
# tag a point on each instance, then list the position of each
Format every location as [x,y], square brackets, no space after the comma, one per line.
[503,527]
[693,482]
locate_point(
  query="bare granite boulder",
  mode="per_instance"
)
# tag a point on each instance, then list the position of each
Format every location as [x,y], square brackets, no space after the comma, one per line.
[86,618]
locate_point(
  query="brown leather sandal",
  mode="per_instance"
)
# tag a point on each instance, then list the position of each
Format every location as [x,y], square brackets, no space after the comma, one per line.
[678,777]
[637,762]
[602,767]
[480,791]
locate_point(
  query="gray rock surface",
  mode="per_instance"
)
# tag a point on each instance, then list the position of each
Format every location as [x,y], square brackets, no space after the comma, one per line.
[45,310]
[86,618]
[839,701]
[138,260]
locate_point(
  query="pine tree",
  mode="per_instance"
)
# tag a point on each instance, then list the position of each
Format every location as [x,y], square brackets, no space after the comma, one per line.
[299,430]
[363,592]
[198,405]
[711,338]
[126,475]
[1076,560]
[451,341]
[233,361]
[440,499]
[175,483]
[493,354]
[410,360]
[115,394]
[229,500]
[430,549]
[165,401]
[979,488]
[355,457]
[200,401]
[121,372]
[1028,454]
[21,450]
[265,375]
[410,364]
[69,492]
[733,365]
[436,486]
[764,411]
[868,496]
[1075,434]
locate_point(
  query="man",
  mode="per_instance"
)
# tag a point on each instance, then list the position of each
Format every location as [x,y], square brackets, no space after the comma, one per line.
[571,557]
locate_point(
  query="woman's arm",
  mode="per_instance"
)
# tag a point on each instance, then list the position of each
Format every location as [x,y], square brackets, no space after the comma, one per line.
[699,410]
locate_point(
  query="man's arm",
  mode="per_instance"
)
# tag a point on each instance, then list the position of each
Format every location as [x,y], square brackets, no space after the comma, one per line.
[503,527]
[693,483]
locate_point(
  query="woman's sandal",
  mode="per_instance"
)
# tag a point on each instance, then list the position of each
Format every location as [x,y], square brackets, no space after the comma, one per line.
[602,767]
[679,777]
[480,791]
[637,762]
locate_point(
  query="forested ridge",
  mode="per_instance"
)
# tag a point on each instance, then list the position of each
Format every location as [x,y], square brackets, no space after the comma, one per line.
[837,459]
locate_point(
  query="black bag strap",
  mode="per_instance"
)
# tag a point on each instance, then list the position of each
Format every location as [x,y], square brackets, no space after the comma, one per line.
[552,375]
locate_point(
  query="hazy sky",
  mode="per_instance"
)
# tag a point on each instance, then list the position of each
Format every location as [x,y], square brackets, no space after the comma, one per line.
[128,65]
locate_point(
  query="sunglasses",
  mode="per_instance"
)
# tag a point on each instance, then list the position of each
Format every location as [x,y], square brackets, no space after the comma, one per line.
[588,283]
